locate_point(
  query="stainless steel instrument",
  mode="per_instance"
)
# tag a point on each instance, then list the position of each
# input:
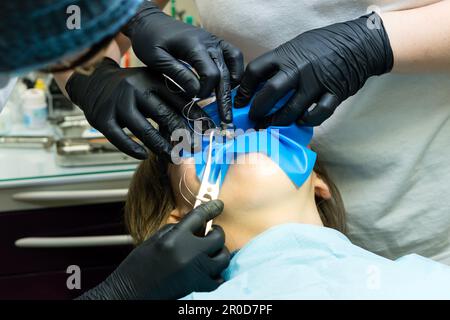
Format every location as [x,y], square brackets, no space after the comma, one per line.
[26,142]
[73,152]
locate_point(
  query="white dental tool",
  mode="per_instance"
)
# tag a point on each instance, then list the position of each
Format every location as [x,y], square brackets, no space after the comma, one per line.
[208,191]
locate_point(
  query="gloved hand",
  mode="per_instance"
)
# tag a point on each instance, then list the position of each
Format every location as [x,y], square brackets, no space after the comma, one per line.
[113,98]
[159,41]
[323,66]
[172,263]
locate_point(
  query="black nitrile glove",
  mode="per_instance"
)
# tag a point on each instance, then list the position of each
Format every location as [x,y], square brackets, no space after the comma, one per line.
[113,98]
[160,42]
[172,263]
[323,66]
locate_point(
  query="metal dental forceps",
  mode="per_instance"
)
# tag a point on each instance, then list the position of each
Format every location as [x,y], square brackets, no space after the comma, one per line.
[208,190]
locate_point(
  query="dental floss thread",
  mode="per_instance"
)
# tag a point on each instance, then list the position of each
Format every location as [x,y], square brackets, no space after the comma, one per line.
[183,179]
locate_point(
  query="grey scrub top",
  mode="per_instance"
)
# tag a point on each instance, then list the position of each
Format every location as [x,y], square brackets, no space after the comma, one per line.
[387,148]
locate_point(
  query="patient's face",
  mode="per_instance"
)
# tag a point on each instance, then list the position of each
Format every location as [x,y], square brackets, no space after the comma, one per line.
[252,183]
[257,194]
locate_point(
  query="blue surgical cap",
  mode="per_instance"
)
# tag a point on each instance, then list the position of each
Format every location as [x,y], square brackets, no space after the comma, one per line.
[35,33]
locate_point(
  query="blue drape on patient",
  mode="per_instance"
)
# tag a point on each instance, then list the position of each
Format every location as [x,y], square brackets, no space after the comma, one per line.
[286,146]
[298,261]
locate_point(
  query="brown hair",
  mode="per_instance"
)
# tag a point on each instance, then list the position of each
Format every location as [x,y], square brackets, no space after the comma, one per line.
[150,200]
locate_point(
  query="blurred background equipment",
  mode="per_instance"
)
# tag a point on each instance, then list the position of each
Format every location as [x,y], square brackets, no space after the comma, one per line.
[60,182]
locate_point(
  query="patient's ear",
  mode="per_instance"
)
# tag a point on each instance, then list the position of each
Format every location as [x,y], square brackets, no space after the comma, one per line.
[175,216]
[321,189]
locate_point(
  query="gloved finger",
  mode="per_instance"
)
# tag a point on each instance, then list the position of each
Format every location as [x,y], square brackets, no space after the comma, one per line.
[146,133]
[219,281]
[161,233]
[169,120]
[223,89]
[189,110]
[185,107]
[273,90]
[133,119]
[257,71]
[214,241]
[171,112]
[321,112]
[209,74]
[198,120]
[165,229]
[235,62]
[206,284]
[180,102]
[219,262]
[177,71]
[153,107]
[114,133]
[293,109]
[195,221]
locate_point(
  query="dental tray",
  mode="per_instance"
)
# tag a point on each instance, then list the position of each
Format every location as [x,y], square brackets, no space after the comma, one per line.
[75,152]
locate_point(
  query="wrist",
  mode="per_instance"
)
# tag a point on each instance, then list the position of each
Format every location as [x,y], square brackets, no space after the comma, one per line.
[380,56]
[61,79]
[77,84]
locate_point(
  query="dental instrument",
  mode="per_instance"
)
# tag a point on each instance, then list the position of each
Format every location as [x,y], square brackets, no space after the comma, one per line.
[208,190]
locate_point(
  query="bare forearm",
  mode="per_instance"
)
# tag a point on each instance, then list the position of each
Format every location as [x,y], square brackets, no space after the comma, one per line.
[420,38]
[123,43]
[61,79]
